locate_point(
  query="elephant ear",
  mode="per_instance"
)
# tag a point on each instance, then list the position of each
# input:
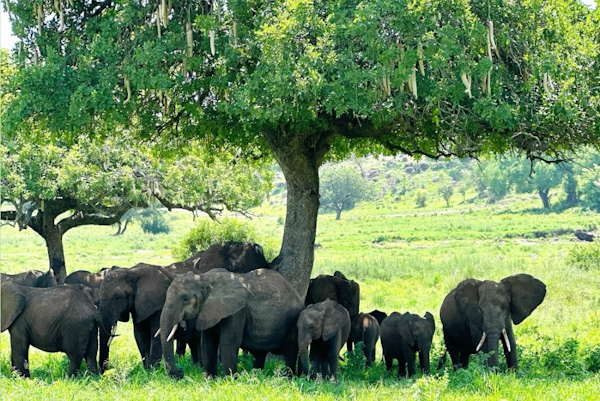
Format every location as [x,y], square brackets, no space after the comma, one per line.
[527,293]
[429,317]
[404,328]
[225,294]
[467,299]
[332,316]
[150,291]
[13,303]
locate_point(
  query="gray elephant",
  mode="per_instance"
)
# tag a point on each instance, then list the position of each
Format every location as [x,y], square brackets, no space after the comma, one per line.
[255,311]
[379,315]
[140,292]
[89,279]
[477,314]
[237,257]
[364,328]
[31,278]
[57,319]
[325,327]
[402,336]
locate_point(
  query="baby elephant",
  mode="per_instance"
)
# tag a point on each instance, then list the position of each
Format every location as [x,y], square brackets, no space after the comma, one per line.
[402,336]
[325,327]
[366,329]
[61,318]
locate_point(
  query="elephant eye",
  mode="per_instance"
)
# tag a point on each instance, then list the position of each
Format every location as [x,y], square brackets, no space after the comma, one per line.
[185,298]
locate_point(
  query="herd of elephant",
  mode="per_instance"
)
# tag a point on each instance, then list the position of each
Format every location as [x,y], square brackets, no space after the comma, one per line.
[226,298]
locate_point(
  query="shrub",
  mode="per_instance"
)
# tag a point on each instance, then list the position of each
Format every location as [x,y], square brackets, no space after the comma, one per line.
[585,256]
[592,360]
[207,232]
[421,198]
[154,224]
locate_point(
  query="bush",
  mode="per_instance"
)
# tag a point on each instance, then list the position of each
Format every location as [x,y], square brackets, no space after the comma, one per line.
[421,198]
[592,360]
[585,256]
[207,232]
[154,224]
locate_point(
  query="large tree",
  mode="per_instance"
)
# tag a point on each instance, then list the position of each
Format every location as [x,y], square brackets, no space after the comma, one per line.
[309,79]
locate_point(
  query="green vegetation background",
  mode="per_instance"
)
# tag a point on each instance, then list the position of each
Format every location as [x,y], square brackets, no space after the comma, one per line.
[405,258]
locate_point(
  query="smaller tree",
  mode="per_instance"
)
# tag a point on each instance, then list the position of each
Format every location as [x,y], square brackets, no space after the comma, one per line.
[446,188]
[421,198]
[342,186]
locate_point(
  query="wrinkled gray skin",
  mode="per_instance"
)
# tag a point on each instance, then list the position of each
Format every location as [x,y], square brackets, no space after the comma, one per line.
[379,315]
[337,288]
[89,279]
[365,329]
[139,292]
[31,278]
[57,319]
[324,327]
[475,307]
[255,311]
[236,257]
[402,336]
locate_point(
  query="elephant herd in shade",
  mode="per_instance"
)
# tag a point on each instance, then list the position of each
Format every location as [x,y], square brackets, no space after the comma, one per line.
[226,298]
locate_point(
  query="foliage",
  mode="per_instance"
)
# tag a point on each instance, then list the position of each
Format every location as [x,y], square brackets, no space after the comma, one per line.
[341,187]
[154,223]
[585,256]
[446,188]
[207,232]
[421,198]
[590,188]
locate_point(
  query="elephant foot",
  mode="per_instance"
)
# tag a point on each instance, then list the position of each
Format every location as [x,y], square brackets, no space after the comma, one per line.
[176,373]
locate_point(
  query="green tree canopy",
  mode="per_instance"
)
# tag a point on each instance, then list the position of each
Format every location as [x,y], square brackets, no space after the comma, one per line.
[342,187]
[313,79]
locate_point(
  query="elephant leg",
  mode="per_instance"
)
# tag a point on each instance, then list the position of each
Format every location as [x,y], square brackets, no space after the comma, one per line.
[410,361]
[181,345]
[104,350]
[368,355]
[454,353]
[74,363]
[142,341]
[195,350]
[401,367]
[388,361]
[232,330]
[19,357]
[92,352]
[259,359]
[210,347]
[464,360]
[155,353]
[332,357]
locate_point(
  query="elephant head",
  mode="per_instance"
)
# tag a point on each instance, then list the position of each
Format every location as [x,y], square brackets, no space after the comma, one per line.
[337,288]
[47,279]
[487,308]
[418,333]
[205,299]
[237,257]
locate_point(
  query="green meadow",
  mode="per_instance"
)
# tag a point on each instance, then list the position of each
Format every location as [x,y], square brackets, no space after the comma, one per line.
[405,259]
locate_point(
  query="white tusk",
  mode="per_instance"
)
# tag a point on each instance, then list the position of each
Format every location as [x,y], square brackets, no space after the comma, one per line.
[172,332]
[481,342]
[506,341]
[157,333]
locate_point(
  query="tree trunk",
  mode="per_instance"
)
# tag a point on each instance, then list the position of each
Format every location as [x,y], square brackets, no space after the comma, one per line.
[545,198]
[571,189]
[54,243]
[300,165]
[338,213]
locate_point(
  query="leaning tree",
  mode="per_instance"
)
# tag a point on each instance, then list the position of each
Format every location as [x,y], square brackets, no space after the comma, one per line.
[308,80]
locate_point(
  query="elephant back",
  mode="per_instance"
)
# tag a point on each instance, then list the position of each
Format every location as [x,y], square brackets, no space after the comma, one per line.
[236,257]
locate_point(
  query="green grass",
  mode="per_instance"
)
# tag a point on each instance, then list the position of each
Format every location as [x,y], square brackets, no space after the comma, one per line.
[405,258]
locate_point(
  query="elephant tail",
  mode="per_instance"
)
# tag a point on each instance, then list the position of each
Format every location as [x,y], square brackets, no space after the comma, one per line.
[443,359]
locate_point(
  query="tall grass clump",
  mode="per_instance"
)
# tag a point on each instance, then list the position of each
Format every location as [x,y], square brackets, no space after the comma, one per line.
[586,256]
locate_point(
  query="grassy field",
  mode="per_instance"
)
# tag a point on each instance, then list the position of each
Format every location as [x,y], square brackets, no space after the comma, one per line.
[404,258]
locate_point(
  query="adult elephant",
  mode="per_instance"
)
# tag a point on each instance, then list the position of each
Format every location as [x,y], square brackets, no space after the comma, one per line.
[337,288]
[237,257]
[255,311]
[89,279]
[477,314]
[31,278]
[57,319]
[138,292]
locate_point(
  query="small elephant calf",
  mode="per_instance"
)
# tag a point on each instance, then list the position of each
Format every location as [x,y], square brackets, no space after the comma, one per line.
[402,336]
[325,327]
[365,328]
[61,318]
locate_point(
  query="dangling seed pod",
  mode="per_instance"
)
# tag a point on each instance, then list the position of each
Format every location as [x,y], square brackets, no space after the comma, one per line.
[57,5]
[235,31]
[165,13]
[39,10]
[71,3]
[211,34]
[189,36]
[488,82]
[19,49]
[466,79]
[217,5]
[546,82]
[7,3]
[413,78]
[35,55]
[492,41]
[127,87]
[158,22]
[61,16]
[42,206]
[420,54]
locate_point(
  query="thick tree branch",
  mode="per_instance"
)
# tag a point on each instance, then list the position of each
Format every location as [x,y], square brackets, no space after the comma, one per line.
[80,218]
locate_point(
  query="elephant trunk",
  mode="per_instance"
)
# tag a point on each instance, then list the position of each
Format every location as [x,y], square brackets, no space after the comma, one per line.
[169,320]
[492,348]
[303,362]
